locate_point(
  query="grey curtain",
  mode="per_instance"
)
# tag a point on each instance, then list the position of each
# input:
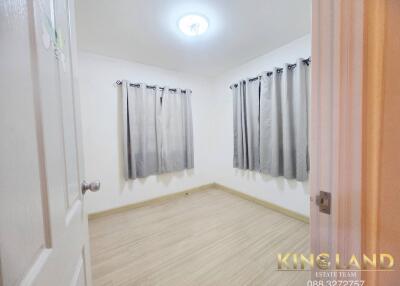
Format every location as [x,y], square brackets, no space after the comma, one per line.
[282,122]
[157,130]
[177,131]
[246,104]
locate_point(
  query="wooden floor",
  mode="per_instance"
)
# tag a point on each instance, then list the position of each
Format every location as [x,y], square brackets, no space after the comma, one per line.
[205,238]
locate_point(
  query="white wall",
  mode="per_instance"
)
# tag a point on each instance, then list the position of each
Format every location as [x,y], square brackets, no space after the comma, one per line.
[101,120]
[213,132]
[290,194]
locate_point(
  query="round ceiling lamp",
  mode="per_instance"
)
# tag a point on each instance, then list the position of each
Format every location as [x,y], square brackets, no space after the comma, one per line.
[193,25]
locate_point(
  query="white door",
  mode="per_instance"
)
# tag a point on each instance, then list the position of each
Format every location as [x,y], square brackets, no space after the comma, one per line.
[43,228]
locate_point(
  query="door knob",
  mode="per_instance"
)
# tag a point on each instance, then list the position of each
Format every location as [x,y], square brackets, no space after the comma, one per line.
[93,186]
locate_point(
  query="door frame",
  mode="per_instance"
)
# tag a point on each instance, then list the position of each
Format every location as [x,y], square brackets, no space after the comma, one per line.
[381,165]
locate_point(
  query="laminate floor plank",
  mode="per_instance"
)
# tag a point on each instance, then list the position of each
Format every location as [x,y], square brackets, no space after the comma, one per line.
[206,238]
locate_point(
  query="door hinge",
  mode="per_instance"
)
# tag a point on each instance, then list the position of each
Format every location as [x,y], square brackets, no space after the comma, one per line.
[323,200]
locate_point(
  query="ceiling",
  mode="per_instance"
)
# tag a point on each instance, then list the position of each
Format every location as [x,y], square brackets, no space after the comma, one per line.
[146,31]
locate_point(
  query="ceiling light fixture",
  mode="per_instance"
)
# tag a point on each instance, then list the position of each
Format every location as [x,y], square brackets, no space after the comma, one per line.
[193,25]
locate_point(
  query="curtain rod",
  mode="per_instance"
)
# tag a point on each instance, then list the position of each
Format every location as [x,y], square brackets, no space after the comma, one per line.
[119,82]
[279,70]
